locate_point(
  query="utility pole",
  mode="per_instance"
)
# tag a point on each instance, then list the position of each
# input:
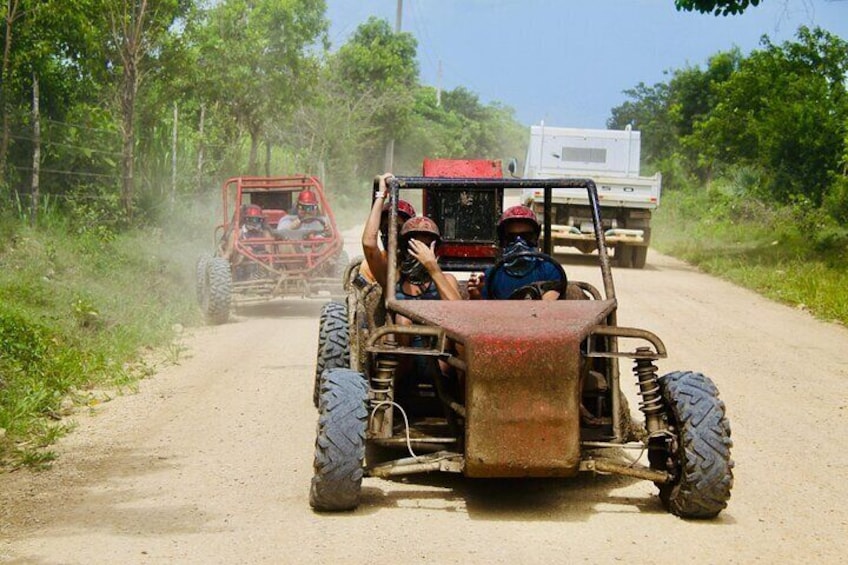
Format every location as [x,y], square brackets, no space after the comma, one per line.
[390,146]
[439,85]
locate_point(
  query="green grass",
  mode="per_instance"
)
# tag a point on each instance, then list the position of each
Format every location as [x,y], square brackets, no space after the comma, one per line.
[78,309]
[793,256]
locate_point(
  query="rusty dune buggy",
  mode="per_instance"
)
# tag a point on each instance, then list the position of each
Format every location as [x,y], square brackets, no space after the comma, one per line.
[251,266]
[532,387]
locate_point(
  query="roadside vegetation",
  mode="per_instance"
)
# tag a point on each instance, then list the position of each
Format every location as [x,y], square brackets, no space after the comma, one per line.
[121,120]
[754,155]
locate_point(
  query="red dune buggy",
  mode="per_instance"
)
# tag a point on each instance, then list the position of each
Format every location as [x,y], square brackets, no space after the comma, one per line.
[278,238]
[533,388]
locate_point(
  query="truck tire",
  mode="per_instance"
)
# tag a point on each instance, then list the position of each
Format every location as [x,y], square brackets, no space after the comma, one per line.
[700,461]
[624,256]
[639,256]
[340,442]
[333,343]
[217,291]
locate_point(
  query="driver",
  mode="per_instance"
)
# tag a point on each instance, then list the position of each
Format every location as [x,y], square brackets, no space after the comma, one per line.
[518,234]
[304,220]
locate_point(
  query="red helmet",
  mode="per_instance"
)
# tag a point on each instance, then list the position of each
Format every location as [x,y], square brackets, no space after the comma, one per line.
[420,224]
[253,211]
[516,213]
[405,209]
[307,197]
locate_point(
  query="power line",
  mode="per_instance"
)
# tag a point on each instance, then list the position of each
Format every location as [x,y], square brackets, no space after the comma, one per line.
[60,172]
[57,143]
[78,126]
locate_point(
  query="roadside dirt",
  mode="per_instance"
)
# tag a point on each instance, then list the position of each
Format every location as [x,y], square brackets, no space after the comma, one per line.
[210,461]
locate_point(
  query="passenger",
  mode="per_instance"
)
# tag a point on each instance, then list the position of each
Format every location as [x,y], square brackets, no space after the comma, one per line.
[405,212]
[421,277]
[518,233]
[419,273]
[252,225]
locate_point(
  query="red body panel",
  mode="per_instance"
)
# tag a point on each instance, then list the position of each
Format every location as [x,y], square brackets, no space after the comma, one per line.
[463,168]
[522,379]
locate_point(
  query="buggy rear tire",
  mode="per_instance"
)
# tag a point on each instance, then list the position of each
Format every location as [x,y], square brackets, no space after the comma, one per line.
[333,343]
[340,442]
[200,276]
[700,461]
[217,291]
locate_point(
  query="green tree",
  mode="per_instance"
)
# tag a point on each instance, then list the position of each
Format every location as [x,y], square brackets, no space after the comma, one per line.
[257,59]
[380,63]
[60,44]
[717,7]
[648,111]
[784,111]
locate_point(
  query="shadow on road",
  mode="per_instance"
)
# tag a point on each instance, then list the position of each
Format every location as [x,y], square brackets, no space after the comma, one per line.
[283,308]
[555,500]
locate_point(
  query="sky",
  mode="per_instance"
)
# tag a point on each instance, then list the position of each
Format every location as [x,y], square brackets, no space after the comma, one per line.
[567,62]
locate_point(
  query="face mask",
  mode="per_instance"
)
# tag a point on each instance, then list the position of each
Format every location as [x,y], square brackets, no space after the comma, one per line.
[516,263]
[413,270]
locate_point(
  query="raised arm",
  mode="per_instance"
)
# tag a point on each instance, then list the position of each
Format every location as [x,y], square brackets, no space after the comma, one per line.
[446,284]
[377,261]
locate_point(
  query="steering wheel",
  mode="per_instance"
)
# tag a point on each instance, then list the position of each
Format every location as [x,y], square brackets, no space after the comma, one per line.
[534,290]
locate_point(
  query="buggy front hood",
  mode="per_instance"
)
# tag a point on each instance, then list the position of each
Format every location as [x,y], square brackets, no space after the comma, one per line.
[522,382]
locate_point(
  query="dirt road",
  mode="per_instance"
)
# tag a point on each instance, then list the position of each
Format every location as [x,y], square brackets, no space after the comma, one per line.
[210,461]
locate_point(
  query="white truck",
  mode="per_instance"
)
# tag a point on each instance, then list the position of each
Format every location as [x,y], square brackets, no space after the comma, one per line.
[611,159]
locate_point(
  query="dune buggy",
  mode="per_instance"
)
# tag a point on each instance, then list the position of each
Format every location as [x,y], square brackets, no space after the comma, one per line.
[267,248]
[533,387]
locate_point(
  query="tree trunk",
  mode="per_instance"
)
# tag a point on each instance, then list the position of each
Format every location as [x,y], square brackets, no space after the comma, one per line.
[11,15]
[36,153]
[252,163]
[128,92]
[173,197]
[200,151]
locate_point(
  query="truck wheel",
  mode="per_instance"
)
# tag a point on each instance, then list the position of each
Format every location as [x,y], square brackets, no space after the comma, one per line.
[698,457]
[333,343]
[200,276]
[217,291]
[340,443]
[624,256]
[639,256]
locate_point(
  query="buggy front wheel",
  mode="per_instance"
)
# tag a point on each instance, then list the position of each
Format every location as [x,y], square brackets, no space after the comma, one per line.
[340,442]
[697,455]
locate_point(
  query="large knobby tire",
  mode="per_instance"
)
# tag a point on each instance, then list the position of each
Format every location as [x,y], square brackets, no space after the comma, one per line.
[333,343]
[340,443]
[701,463]
[217,291]
[200,276]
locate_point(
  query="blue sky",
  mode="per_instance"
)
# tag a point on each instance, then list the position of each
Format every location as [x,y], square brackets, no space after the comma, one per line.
[567,61]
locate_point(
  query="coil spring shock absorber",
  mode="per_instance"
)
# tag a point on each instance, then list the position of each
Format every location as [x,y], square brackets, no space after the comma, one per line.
[382,387]
[649,389]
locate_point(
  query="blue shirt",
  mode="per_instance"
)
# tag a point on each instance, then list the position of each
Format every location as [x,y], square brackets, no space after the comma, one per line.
[504,284]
